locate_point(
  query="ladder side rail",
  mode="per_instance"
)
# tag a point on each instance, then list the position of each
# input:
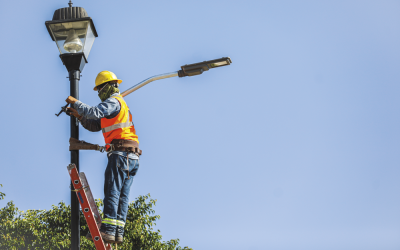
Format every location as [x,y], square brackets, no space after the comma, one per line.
[91,200]
[87,211]
[92,203]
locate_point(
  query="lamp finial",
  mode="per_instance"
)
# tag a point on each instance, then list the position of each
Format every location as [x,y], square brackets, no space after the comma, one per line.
[70,3]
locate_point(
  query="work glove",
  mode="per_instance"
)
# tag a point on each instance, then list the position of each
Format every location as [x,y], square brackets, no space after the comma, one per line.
[74,113]
[71,100]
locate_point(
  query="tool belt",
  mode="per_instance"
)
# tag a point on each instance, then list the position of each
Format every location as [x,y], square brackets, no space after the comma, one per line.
[126,146]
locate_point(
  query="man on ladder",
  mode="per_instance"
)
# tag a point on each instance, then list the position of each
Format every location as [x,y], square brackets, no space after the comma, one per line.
[113,117]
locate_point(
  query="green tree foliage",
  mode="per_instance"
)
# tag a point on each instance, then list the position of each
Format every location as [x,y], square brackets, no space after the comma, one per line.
[50,229]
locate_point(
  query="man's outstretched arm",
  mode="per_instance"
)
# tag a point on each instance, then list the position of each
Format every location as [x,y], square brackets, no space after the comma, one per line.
[93,125]
[90,115]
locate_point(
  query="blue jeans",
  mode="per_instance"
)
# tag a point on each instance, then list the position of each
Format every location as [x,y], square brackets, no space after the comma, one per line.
[116,193]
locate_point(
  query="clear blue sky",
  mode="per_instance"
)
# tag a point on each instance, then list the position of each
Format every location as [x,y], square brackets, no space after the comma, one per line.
[293,146]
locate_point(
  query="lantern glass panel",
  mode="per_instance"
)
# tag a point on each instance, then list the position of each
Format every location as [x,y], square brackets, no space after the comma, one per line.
[88,41]
[70,36]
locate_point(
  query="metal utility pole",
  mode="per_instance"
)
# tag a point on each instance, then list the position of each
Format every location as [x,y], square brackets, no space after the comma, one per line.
[74,33]
[74,77]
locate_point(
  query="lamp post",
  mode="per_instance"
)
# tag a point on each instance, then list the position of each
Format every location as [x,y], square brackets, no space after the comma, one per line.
[74,33]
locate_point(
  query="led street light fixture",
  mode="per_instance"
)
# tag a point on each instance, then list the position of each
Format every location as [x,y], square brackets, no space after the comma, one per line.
[198,68]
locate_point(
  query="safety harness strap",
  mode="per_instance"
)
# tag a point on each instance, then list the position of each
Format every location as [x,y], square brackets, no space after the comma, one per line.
[117,126]
[75,144]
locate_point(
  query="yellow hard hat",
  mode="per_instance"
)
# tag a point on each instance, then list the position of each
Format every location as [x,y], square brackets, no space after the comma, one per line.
[105,76]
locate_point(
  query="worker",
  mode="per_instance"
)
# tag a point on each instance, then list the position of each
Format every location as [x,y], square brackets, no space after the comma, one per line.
[114,118]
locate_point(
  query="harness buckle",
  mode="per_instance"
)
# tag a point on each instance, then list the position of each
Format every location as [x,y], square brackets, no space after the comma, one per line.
[111,147]
[101,148]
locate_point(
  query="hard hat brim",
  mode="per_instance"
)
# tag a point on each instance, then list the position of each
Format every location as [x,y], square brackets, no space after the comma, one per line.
[118,80]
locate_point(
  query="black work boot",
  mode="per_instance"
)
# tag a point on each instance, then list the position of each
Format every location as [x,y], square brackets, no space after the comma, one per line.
[89,236]
[119,234]
[106,237]
[119,239]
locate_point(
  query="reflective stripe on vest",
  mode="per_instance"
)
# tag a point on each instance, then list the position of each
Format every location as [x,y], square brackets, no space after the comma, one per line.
[117,126]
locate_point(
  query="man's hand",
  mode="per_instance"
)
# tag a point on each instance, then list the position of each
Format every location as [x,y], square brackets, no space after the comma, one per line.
[71,99]
[74,113]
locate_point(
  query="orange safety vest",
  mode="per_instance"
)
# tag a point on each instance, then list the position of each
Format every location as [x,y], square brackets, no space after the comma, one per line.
[119,127]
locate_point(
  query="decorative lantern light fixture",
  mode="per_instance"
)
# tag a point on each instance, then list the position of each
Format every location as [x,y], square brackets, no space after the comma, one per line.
[74,33]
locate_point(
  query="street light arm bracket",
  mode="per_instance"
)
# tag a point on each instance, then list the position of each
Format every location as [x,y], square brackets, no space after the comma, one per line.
[147,81]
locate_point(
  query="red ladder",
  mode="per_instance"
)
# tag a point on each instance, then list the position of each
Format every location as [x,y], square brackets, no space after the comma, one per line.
[88,206]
